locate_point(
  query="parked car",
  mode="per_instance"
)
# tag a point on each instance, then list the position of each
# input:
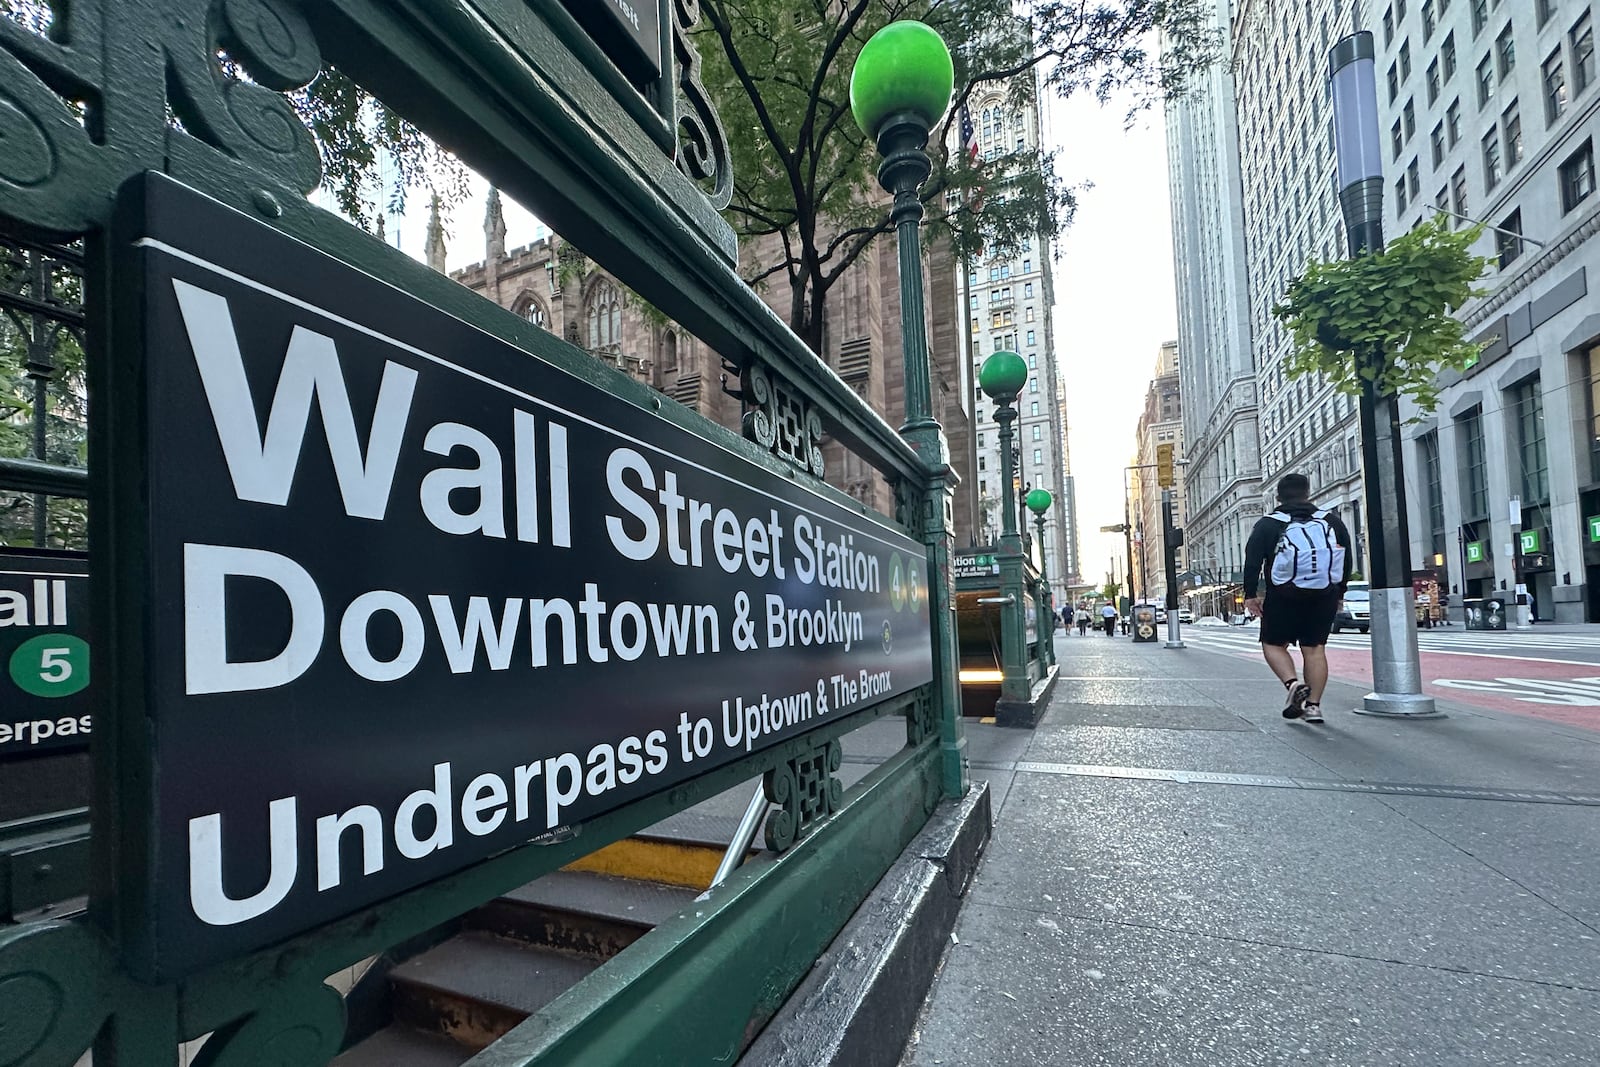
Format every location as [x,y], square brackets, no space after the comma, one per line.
[1209,620]
[1185,616]
[1355,610]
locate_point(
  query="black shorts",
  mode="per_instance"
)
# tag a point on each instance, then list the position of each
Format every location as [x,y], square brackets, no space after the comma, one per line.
[1297,616]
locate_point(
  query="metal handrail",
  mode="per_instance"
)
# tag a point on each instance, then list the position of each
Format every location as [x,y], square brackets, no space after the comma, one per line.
[740,845]
[19,475]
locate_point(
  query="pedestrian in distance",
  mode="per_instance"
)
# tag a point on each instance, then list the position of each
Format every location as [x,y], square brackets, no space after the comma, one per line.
[1305,550]
[1108,619]
[1066,618]
[1083,621]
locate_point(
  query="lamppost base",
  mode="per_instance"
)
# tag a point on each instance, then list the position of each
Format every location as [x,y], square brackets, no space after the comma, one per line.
[1399,706]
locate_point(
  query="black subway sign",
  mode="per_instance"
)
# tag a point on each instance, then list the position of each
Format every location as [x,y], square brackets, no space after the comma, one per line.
[415,596]
[44,697]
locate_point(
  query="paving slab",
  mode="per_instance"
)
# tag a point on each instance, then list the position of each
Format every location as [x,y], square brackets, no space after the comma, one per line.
[1239,752]
[1312,870]
[1150,716]
[1023,988]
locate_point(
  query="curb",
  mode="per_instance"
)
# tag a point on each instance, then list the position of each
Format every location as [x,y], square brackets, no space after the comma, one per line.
[1025,714]
[859,1003]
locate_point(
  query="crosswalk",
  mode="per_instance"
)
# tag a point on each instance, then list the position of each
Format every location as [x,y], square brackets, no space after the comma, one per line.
[1457,640]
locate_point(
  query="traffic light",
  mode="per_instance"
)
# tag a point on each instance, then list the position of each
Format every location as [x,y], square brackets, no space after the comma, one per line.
[1164,476]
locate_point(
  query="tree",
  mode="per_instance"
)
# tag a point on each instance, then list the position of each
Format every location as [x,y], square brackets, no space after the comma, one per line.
[779,74]
[1109,591]
[1388,317]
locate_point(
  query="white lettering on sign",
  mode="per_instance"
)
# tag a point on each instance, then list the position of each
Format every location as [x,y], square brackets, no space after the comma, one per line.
[263,465]
[49,604]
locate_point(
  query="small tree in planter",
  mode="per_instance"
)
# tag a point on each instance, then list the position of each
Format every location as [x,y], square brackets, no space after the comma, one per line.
[1387,317]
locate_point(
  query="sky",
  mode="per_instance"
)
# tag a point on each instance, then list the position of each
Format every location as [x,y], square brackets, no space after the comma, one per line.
[1115,302]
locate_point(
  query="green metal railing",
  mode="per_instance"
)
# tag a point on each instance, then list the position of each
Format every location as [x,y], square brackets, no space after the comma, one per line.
[120,87]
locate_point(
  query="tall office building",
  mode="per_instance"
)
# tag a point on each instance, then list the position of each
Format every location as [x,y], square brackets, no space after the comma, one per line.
[1010,300]
[1490,110]
[1160,424]
[1279,52]
[1217,374]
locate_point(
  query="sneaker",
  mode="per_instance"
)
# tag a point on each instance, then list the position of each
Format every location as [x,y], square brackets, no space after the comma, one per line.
[1298,692]
[1313,714]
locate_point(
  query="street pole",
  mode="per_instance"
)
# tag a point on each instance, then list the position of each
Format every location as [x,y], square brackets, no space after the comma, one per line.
[1127,536]
[1519,590]
[1396,666]
[1038,502]
[899,90]
[1169,548]
[1002,377]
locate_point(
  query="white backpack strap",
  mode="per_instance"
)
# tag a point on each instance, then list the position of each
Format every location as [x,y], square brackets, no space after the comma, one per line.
[1281,516]
[1320,514]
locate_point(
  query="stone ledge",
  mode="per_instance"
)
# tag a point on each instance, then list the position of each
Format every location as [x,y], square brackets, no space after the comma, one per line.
[1027,713]
[859,1003]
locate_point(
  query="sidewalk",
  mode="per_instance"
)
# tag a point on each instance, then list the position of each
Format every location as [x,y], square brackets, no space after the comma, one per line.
[1179,876]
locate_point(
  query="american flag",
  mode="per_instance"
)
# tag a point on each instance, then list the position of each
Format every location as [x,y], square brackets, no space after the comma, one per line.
[969,140]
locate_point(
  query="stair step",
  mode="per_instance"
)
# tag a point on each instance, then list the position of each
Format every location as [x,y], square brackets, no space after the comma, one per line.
[401,1046]
[668,861]
[476,986]
[590,915]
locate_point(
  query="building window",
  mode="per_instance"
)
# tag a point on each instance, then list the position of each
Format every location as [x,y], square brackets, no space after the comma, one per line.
[1030,338]
[1452,122]
[1396,142]
[1458,193]
[1394,82]
[604,315]
[1474,467]
[1027,288]
[1388,27]
[1033,385]
[1033,407]
[1447,56]
[1038,432]
[533,312]
[1432,477]
[1555,88]
[1405,60]
[1413,180]
[1544,8]
[1506,48]
[1593,393]
[1577,177]
[1433,81]
[1409,115]
[1399,197]
[1436,142]
[1480,16]
[1511,123]
[1441,199]
[1491,159]
[1428,23]
[1033,361]
[1027,266]
[1527,408]
[1038,457]
[1508,239]
[1582,38]
[1485,80]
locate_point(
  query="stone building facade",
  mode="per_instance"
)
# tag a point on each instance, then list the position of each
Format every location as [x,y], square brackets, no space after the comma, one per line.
[552,285]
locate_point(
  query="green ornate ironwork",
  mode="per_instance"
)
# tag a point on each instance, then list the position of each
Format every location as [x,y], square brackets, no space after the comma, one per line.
[196,89]
[804,790]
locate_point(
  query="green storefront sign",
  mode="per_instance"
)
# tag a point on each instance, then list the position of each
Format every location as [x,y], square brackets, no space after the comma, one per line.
[1474,551]
[1594,528]
[1531,541]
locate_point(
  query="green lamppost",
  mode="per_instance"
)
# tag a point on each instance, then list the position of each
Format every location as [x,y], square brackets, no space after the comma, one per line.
[899,90]
[1039,501]
[1002,377]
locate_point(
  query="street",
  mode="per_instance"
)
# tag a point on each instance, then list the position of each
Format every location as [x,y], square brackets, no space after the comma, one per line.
[1551,674]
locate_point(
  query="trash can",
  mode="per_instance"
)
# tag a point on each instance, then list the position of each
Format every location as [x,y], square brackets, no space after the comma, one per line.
[1474,610]
[1144,622]
[1494,613]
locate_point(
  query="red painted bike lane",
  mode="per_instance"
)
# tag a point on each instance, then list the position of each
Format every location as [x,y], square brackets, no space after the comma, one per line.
[1540,688]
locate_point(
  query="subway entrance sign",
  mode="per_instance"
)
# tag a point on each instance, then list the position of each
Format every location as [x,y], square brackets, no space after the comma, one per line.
[415,596]
[44,653]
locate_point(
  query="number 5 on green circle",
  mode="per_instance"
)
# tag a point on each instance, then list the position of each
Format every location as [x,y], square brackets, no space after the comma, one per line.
[51,665]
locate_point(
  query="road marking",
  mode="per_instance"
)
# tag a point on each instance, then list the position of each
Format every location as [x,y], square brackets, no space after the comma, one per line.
[1572,692]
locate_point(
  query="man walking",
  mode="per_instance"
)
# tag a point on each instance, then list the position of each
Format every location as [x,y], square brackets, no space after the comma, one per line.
[1306,552]
[1108,619]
